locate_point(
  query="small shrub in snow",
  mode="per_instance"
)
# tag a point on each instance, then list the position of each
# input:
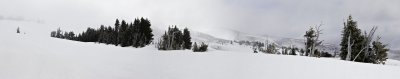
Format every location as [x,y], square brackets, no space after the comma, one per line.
[201,48]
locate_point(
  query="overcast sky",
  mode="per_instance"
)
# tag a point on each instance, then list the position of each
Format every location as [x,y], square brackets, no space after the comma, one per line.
[284,18]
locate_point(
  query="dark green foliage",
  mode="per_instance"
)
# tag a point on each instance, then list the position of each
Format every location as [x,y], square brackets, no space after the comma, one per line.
[351,29]
[90,35]
[201,48]
[145,30]
[18,30]
[122,34]
[380,52]
[195,48]
[58,33]
[53,33]
[137,34]
[293,51]
[325,54]
[310,34]
[302,51]
[115,33]
[187,43]
[174,39]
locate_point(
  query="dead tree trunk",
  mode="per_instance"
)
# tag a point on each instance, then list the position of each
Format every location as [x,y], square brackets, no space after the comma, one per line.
[348,57]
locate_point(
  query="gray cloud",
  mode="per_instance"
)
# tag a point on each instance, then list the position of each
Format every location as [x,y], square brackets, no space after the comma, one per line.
[21,19]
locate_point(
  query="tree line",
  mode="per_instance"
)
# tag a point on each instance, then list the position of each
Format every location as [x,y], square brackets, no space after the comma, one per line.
[355,45]
[175,39]
[360,47]
[136,34]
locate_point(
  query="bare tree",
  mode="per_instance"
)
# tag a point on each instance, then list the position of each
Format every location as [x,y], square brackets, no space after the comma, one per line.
[316,42]
[367,42]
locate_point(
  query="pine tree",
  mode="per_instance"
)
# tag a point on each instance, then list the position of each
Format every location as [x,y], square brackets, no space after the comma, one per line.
[146,31]
[135,33]
[71,35]
[121,34]
[18,30]
[187,43]
[53,33]
[356,40]
[380,52]
[195,48]
[58,34]
[102,34]
[115,39]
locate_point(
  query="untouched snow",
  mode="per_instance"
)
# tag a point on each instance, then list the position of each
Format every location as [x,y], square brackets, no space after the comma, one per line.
[35,55]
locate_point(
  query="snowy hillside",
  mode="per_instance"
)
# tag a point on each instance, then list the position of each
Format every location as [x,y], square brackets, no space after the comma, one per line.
[280,41]
[35,55]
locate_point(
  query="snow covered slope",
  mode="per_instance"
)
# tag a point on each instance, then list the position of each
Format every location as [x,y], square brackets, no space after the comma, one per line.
[35,55]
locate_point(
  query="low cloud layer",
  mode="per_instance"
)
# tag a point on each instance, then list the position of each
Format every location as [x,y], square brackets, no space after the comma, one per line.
[285,18]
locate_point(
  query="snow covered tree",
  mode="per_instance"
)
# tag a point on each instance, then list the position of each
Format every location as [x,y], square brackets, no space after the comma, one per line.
[271,48]
[312,40]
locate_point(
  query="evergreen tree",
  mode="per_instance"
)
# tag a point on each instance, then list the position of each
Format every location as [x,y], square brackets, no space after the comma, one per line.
[18,30]
[102,34]
[195,48]
[58,34]
[115,39]
[310,34]
[187,43]
[135,33]
[356,39]
[380,52]
[203,47]
[65,36]
[53,33]
[121,33]
[302,51]
[145,30]
[71,35]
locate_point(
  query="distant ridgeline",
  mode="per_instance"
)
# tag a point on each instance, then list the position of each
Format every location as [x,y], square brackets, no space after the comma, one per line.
[136,34]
